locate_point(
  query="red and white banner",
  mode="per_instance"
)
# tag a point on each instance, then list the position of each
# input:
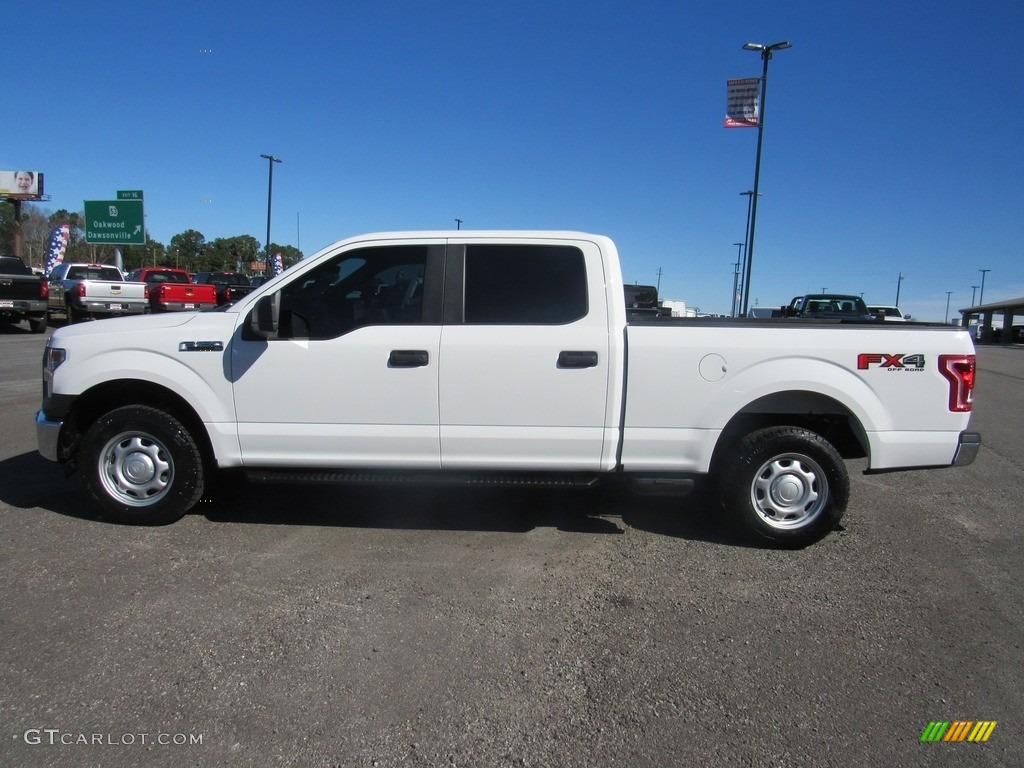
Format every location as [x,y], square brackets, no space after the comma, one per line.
[58,246]
[742,108]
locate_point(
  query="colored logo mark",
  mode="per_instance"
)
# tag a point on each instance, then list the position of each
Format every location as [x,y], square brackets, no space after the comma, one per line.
[958,730]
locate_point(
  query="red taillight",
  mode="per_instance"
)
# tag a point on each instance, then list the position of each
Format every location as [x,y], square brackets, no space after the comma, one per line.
[80,290]
[959,371]
[44,290]
[227,294]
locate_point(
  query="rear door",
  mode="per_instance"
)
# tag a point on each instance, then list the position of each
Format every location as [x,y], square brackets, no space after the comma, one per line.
[525,361]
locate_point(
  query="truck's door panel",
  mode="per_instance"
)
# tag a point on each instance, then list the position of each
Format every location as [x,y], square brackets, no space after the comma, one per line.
[524,357]
[353,379]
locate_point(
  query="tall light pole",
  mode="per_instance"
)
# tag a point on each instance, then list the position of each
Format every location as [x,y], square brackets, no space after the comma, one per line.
[746,233]
[899,282]
[766,55]
[974,288]
[981,297]
[458,224]
[736,278]
[947,307]
[270,196]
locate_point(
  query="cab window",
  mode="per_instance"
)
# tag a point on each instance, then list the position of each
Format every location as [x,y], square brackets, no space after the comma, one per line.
[370,286]
[524,285]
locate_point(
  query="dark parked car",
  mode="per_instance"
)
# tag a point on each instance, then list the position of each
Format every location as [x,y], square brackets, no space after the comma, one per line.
[231,286]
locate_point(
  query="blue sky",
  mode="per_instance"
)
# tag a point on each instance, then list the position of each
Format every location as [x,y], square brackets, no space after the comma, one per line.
[892,142]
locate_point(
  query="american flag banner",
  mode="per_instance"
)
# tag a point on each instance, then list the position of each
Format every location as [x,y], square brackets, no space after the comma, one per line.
[58,245]
[277,265]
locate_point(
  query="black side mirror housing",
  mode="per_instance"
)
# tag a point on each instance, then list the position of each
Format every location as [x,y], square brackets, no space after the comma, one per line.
[266,316]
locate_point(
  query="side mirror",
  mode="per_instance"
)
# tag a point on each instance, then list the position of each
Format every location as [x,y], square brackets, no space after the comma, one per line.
[266,315]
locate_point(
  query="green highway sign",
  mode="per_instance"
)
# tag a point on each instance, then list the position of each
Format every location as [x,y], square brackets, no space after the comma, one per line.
[114,222]
[129,194]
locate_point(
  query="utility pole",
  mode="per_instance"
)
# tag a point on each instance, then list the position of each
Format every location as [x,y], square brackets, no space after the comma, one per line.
[660,273]
[947,307]
[458,224]
[981,298]
[270,194]
[735,279]
[766,55]
[899,282]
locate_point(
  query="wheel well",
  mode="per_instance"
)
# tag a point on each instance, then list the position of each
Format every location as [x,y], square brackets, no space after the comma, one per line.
[809,410]
[101,399]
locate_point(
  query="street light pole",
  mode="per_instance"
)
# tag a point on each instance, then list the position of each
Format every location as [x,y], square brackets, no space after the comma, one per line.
[899,282]
[736,278]
[766,55]
[947,307]
[981,297]
[974,289]
[746,233]
[270,195]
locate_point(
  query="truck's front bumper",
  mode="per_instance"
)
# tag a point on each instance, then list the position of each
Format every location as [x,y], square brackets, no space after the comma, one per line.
[47,436]
[967,448]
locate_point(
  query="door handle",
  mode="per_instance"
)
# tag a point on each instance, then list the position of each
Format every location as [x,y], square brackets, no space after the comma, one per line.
[573,359]
[408,358]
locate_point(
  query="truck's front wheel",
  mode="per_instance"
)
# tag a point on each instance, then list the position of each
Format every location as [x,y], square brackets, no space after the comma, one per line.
[785,484]
[140,465]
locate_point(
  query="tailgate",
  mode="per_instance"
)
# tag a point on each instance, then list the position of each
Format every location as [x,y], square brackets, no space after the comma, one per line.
[19,287]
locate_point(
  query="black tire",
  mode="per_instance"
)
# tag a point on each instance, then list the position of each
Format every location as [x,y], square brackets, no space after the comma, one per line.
[75,315]
[141,466]
[785,484]
[37,324]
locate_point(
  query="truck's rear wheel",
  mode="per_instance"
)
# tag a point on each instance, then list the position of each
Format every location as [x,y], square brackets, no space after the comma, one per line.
[785,484]
[140,465]
[37,324]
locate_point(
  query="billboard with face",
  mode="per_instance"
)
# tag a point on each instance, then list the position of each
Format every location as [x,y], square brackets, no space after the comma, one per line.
[21,185]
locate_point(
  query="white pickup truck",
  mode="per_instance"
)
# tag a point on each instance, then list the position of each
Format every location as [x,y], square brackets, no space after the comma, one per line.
[83,291]
[498,357]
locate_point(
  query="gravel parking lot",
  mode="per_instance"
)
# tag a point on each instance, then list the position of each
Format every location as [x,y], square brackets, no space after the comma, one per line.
[300,626]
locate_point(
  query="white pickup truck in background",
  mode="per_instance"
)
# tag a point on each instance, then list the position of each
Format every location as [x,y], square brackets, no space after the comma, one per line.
[498,356]
[84,291]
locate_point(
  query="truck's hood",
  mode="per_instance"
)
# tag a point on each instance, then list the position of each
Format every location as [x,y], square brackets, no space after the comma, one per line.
[141,324]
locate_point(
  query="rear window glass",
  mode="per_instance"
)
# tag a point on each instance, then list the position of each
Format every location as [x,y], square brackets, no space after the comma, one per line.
[524,285]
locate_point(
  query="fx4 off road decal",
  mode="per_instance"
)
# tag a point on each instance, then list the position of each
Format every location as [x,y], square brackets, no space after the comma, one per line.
[897,362]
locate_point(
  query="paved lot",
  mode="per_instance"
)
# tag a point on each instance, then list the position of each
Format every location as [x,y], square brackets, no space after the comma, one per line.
[327,627]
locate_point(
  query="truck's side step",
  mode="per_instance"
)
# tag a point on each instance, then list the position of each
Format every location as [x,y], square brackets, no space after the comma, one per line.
[372,477]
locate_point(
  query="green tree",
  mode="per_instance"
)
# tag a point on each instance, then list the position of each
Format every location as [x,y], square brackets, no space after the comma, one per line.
[231,254]
[35,235]
[6,227]
[187,249]
[35,232]
[152,254]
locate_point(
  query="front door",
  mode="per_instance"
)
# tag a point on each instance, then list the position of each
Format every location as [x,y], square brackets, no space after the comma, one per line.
[352,379]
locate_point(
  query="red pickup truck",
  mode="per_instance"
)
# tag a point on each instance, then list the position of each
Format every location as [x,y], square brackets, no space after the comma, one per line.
[172,290]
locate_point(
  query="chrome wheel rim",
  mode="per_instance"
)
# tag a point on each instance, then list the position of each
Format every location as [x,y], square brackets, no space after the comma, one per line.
[136,469]
[789,491]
